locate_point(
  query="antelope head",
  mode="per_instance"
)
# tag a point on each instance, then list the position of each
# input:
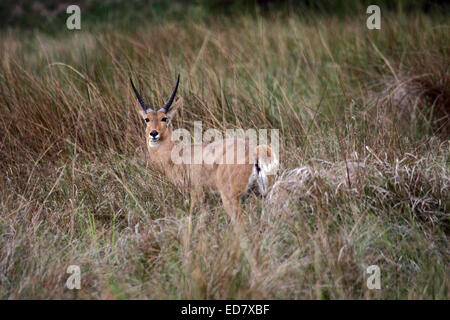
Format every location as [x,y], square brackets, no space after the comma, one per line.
[158,121]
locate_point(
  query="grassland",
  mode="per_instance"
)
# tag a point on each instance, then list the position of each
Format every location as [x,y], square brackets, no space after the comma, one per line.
[364,179]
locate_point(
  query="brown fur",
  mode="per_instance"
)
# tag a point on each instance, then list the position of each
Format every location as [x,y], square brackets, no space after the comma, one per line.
[230,180]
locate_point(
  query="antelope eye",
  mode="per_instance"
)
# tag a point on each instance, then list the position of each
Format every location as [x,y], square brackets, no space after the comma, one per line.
[164,119]
[147,120]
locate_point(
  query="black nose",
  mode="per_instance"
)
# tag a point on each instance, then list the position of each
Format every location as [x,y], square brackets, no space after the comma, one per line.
[154,133]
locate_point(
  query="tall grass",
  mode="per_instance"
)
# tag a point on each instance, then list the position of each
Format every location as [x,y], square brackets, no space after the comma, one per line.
[364,179]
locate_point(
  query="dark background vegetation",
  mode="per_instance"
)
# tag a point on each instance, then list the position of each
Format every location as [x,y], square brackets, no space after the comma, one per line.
[47,15]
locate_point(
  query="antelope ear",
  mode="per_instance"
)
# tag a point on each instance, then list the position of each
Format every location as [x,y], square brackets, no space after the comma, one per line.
[175,106]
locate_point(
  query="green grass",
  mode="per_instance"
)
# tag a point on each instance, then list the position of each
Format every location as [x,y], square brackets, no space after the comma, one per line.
[364,179]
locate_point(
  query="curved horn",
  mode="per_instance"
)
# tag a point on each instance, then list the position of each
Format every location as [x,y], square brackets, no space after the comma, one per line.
[144,106]
[169,102]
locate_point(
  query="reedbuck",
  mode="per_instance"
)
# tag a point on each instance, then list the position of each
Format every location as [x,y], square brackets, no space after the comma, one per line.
[232,180]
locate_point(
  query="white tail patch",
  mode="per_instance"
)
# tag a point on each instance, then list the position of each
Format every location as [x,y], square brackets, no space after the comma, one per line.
[266,164]
[267,160]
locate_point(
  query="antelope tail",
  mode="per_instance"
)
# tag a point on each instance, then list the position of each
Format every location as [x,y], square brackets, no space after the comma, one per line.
[266,163]
[266,160]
